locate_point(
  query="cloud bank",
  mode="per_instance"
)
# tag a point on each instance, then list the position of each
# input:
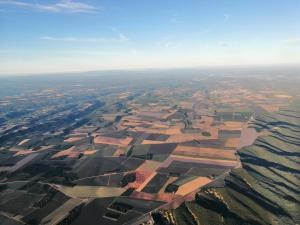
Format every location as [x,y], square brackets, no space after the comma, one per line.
[120,39]
[61,6]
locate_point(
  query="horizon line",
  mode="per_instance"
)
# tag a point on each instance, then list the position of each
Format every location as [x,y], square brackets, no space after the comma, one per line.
[69,72]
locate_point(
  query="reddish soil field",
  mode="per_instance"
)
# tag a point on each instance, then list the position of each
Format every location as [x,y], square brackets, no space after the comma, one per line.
[147,142]
[112,141]
[23,152]
[220,162]
[143,178]
[205,152]
[248,137]
[165,197]
[89,152]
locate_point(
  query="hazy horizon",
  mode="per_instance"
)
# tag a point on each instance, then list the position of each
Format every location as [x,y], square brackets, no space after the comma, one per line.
[56,36]
[161,70]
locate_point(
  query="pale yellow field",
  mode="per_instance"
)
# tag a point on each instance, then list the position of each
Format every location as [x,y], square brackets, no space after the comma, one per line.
[283,96]
[91,191]
[192,185]
[24,141]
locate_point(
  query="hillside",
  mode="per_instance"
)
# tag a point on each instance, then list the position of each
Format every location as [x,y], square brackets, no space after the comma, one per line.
[266,190]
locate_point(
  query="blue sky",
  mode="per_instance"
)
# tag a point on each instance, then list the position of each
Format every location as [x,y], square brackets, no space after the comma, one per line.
[76,35]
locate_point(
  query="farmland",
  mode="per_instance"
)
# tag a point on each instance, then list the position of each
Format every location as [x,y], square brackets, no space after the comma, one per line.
[246,197]
[115,150]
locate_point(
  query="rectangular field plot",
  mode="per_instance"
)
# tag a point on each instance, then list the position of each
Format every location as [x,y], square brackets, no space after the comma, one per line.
[112,141]
[156,183]
[229,133]
[194,168]
[212,153]
[157,152]
[96,166]
[91,191]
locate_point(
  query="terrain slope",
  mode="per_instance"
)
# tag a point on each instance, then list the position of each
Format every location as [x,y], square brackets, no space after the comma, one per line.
[265,190]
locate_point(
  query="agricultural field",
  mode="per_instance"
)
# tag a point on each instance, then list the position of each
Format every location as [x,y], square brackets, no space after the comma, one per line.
[118,151]
[248,195]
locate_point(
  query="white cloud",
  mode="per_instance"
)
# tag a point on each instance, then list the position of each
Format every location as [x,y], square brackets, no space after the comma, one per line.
[87,52]
[121,38]
[69,6]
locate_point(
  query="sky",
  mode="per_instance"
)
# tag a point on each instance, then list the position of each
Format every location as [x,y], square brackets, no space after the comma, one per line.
[42,36]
